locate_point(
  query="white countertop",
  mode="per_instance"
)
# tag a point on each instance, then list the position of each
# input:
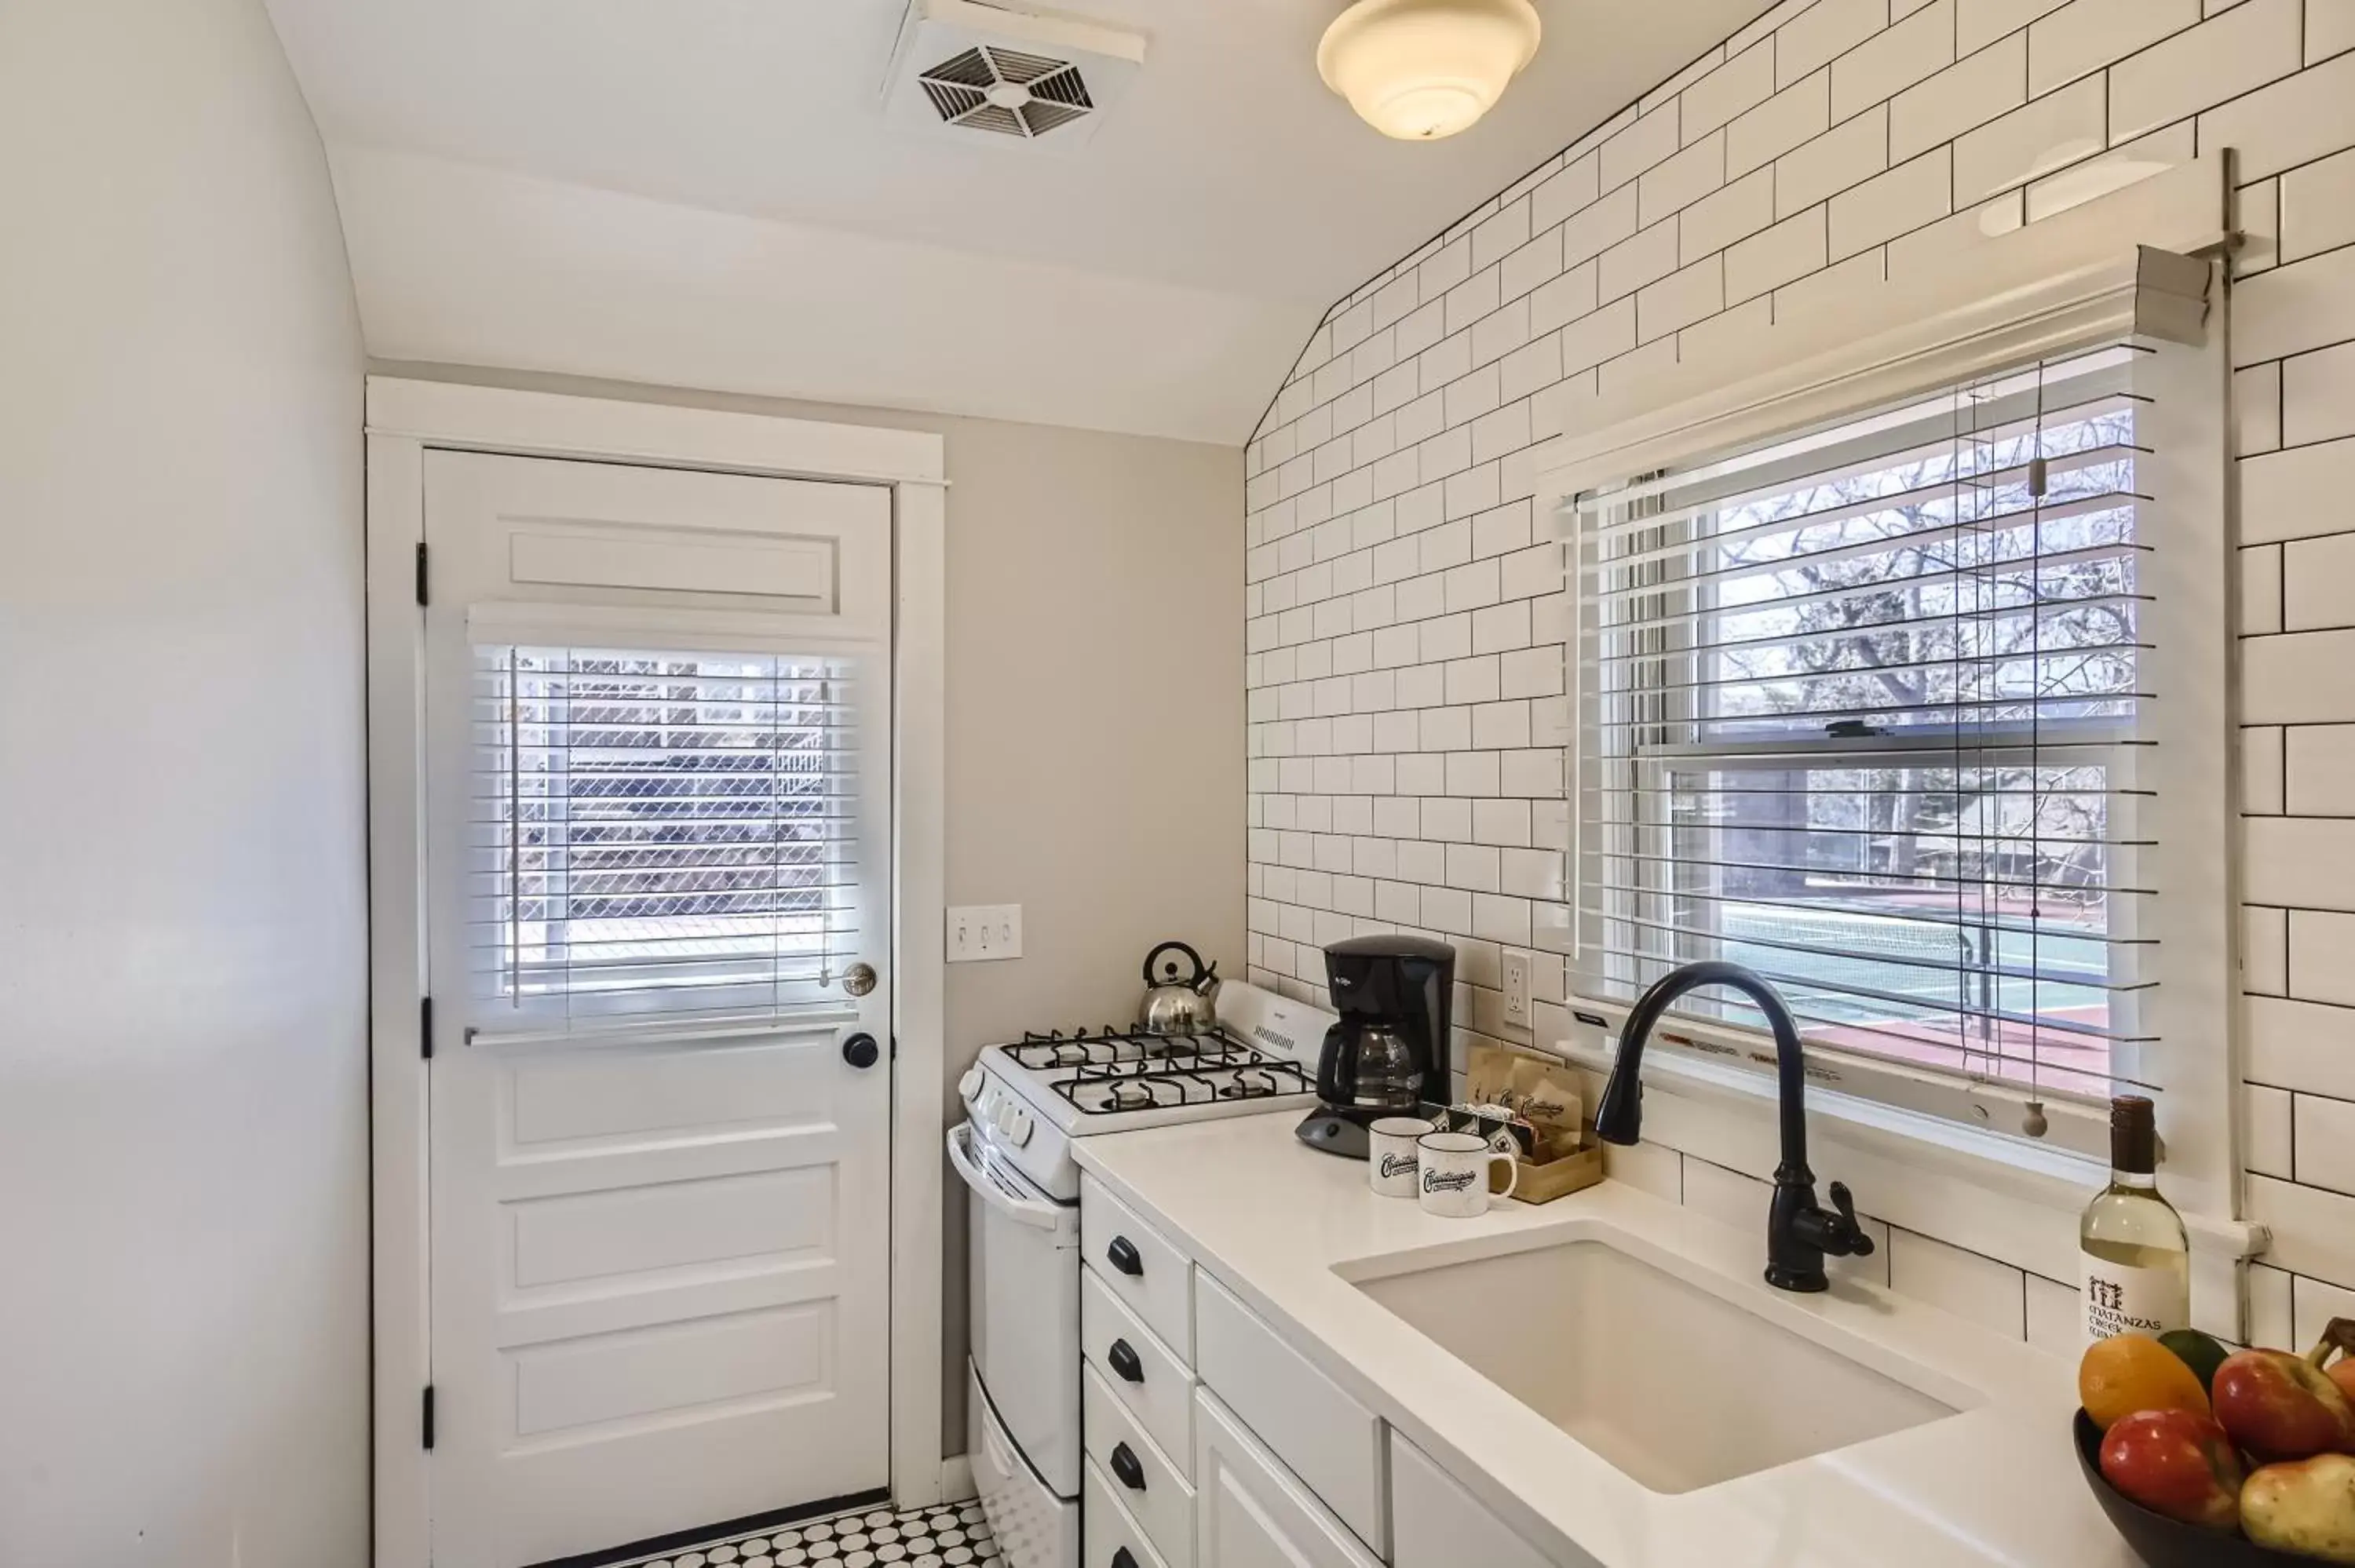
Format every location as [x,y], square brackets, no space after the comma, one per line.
[1997,1483]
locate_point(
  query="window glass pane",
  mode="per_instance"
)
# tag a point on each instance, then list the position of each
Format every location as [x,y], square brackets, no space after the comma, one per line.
[1936,592]
[1956,917]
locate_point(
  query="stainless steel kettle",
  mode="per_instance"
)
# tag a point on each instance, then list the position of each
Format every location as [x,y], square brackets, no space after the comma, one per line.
[1175,1003]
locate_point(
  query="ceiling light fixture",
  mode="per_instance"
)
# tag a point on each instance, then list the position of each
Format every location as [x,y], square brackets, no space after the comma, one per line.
[1421,70]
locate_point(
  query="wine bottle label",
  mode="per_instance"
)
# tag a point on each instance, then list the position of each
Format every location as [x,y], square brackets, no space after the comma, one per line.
[2122,1299]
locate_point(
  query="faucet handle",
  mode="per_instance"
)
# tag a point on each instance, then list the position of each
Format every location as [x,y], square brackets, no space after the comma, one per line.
[1846,1238]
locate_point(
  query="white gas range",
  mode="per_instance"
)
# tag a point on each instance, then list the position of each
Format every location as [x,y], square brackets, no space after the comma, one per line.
[1025,1102]
[1028,1098]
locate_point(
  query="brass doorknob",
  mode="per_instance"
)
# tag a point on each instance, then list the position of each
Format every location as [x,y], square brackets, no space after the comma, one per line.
[859,979]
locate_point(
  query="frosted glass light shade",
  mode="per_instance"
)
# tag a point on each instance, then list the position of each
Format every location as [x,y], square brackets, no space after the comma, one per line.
[1421,70]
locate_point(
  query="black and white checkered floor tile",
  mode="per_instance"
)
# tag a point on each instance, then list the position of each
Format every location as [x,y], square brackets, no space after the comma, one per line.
[952,1537]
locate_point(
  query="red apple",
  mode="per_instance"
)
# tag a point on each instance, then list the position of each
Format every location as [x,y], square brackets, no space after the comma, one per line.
[2306,1507]
[2281,1406]
[2175,1462]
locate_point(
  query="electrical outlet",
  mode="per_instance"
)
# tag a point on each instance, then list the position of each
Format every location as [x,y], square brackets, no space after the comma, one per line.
[1516,989]
[979,932]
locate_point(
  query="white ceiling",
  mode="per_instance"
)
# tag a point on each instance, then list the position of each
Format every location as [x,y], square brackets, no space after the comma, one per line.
[705,193]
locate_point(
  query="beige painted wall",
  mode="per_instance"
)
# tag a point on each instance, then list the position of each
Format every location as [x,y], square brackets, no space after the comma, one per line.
[183,939]
[1095,686]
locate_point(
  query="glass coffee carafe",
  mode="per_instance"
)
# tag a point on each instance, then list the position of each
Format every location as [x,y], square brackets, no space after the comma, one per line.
[1369,1067]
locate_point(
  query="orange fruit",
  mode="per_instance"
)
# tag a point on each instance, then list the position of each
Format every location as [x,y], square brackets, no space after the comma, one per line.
[2128,1372]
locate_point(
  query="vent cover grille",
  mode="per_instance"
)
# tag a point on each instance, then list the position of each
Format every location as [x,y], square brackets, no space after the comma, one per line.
[1006,91]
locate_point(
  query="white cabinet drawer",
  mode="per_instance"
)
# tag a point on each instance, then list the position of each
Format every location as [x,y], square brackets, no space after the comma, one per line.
[1250,1511]
[1151,1278]
[1436,1523]
[1113,1538]
[1150,1483]
[1334,1443]
[1142,1373]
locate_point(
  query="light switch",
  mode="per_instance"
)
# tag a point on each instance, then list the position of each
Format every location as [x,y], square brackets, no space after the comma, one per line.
[984,931]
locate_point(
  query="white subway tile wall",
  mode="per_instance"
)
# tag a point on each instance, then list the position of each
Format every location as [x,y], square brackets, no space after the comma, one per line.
[1406,616]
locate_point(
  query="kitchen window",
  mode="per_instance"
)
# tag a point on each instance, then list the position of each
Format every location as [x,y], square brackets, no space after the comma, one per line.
[1888,707]
[661,835]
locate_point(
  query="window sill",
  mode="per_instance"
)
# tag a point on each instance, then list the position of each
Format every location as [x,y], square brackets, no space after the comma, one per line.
[2011,1201]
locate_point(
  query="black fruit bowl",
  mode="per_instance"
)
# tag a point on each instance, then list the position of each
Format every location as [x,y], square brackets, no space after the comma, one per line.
[2161,1542]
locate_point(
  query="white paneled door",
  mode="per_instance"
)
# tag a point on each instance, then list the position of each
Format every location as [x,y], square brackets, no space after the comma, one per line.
[658,722]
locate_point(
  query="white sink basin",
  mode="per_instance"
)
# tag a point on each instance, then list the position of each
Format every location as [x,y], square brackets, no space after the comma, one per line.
[1675,1385]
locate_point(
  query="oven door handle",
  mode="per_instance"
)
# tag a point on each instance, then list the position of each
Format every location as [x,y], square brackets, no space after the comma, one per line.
[1037,1212]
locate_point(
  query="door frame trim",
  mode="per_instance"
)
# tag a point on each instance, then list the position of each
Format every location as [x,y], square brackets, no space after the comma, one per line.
[405,419]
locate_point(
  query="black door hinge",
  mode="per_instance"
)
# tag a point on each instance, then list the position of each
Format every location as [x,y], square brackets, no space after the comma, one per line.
[426,1424]
[425,1027]
[421,571]
[895,1047]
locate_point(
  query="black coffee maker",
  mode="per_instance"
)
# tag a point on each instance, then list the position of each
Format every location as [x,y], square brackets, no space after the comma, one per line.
[1389,1050]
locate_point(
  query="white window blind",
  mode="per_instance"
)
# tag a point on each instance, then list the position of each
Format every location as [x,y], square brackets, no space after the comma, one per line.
[1866,711]
[659,836]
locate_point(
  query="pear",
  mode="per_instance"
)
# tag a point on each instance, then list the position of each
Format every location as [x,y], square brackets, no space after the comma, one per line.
[2305,1506]
[2338,1337]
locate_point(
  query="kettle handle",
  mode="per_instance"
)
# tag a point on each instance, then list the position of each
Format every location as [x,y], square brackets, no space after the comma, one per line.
[1192,957]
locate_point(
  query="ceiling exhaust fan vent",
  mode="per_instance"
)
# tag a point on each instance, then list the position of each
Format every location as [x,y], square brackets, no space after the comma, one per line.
[1006,91]
[1016,75]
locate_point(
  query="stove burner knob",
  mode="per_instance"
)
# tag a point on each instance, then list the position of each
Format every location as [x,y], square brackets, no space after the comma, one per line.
[970,1085]
[1021,1129]
[1004,1118]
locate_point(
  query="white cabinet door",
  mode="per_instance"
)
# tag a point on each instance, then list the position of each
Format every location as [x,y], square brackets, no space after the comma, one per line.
[1250,1512]
[1307,1420]
[658,774]
[1436,1523]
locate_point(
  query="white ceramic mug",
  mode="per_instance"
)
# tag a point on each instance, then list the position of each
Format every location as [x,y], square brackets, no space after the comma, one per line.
[1452,1178]
[1390,1162]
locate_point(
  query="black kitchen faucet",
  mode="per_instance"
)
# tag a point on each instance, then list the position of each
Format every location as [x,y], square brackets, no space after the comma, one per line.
[1798,1233]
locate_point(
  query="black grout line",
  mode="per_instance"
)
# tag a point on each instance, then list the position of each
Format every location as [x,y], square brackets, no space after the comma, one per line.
[1774,38]
[1825,203]
[1634,104]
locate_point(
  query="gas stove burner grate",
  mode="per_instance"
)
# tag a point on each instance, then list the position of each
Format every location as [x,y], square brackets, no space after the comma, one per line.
[1079,1048]
[1253,1082]
[1130,1094]
[1131,1048]
[1185,1070]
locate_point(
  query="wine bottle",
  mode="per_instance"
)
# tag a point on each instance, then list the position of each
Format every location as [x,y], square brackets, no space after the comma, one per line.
[2134,1257]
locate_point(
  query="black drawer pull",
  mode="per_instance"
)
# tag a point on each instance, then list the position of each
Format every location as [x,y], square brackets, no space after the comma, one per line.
[1121,1559]
[1125,1466]
[1125,1256]
[1124,1360]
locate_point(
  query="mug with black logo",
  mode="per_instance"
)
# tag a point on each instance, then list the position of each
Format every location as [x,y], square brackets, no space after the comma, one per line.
[1451,1178]
[1390,1162]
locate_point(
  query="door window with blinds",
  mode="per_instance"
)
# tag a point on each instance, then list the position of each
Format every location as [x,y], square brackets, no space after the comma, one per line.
[1869,710]
[660,835]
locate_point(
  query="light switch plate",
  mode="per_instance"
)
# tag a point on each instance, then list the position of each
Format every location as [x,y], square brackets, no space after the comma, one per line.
[978,932]
[1517,987]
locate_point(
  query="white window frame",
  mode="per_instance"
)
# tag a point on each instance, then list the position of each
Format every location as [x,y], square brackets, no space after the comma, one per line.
[405,419]
[2134,264]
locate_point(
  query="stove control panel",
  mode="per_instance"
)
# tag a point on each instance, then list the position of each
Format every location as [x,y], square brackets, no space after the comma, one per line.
[992,1106]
